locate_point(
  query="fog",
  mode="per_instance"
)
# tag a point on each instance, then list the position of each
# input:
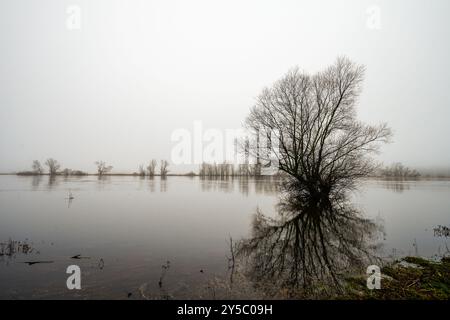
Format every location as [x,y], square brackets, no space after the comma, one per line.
[117,85]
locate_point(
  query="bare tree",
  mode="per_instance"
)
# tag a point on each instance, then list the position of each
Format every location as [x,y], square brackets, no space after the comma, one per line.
[102,168]
[312,131]
[141,170]
[313,136]
[37,167]
[163,169]
[151,168]
[53,166]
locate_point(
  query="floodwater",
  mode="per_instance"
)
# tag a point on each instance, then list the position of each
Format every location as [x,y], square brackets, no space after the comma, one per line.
[166,238]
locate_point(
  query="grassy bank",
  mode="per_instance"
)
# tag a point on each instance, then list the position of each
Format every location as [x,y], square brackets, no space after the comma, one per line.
[411,278]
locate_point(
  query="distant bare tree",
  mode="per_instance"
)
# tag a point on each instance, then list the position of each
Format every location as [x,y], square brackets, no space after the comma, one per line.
[37,167]
[163,169]
[141,170]
[151,168]
[53,166]
[102,168]
[312,130]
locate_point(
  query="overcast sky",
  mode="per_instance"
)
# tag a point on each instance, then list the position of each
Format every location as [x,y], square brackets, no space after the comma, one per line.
[117,87]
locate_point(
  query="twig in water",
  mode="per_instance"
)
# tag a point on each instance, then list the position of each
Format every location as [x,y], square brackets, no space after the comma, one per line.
[164,268]
[231,262]
[30,263]
[79,256]
[416,249]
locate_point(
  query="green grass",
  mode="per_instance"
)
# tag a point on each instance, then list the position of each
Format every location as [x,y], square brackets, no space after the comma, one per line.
[429,281]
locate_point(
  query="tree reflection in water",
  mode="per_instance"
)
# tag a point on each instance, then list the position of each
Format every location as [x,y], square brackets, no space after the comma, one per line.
[310,247]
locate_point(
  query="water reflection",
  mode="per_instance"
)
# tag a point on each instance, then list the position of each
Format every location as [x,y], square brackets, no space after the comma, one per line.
[243,186]
[396,185]
[151,184]
[309,247]
[267,185]
[135,232]
[52,181]
[261,185]
[36,181]
[103,181]
[213,184]
[163,184]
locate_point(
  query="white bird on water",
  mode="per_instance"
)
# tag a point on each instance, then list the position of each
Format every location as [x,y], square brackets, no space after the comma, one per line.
[71,195]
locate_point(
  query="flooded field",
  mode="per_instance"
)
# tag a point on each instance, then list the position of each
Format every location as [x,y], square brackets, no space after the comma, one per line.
[167,238]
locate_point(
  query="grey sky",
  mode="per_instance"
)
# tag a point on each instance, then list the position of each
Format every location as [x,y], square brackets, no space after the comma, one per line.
[137,70]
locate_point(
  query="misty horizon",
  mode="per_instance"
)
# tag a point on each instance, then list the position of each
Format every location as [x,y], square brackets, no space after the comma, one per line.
[117,87]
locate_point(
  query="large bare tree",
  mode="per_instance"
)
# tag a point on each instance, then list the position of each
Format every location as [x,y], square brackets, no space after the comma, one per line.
[312,131]
[312,134]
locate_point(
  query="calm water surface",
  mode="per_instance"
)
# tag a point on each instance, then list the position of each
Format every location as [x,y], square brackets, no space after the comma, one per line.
[126,228]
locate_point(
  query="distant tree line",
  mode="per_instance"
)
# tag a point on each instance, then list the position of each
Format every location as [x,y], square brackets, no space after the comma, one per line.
[398,170]
[228,170]
[151,169]
[53,169]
